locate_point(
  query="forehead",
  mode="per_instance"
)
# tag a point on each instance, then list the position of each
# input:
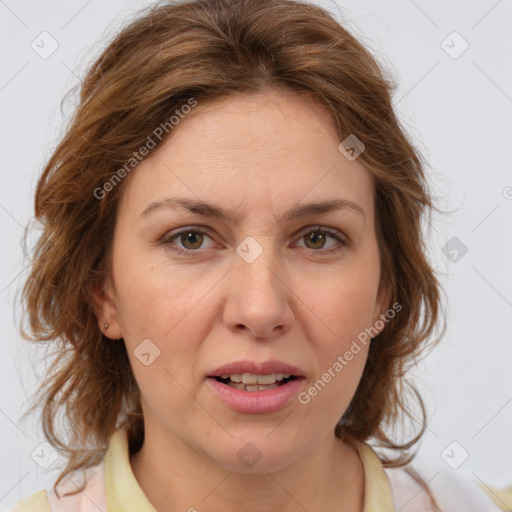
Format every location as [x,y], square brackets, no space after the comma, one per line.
[279,144]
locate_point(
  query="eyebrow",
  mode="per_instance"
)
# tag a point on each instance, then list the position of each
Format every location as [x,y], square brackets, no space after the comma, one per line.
[212,210]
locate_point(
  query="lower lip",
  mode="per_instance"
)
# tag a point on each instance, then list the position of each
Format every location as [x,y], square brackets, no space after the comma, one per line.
[256,402]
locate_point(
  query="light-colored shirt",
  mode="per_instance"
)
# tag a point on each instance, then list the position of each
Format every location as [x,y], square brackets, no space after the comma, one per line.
[112,487]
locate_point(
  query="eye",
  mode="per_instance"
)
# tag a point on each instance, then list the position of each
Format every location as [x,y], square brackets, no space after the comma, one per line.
[316,237]
[191,240]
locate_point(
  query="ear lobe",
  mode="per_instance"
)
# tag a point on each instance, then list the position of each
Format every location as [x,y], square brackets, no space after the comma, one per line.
[105,307]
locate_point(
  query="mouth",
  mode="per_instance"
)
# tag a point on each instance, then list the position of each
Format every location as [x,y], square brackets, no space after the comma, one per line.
[255,382]
[256,387]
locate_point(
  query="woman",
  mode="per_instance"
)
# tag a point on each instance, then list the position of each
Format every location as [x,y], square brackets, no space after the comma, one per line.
[233,272]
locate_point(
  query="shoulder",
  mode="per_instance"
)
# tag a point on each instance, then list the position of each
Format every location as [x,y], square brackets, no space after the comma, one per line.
[452,492]
[36,502]
[90,499]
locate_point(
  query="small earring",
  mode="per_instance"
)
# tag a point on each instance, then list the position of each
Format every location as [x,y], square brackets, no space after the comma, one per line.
[105,326]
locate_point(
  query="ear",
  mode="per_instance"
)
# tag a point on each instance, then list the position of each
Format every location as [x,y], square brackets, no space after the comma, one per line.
[382,304]
[105,307]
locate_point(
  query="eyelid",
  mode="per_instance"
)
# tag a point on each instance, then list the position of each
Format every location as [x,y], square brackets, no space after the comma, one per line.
[173,234]
[335,233]
[319,227]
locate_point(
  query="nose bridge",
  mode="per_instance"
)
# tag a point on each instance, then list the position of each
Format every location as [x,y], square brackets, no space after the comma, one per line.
[257,265]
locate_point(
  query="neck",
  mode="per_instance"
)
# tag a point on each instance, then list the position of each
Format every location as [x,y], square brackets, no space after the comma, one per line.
[175,477]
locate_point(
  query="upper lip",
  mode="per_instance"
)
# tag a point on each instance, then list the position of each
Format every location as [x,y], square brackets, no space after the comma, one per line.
[257,368]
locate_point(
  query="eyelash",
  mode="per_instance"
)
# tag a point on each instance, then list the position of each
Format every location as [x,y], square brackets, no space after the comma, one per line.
[170,237]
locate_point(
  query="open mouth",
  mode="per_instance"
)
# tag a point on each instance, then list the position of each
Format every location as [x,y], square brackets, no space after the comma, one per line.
[252,382]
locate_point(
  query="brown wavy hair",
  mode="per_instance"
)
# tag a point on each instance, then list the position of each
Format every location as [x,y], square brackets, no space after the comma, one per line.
[207,50]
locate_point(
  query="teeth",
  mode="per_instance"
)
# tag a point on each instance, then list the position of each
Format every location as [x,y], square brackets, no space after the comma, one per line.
[249,378]
[253,379]
[253,382]
[263,388]
[269,379]
[252,387]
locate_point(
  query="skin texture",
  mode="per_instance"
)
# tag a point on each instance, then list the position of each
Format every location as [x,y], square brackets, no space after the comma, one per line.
[258,155]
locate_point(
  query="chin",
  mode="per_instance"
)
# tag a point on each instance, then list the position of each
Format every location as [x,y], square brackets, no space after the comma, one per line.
[257,454]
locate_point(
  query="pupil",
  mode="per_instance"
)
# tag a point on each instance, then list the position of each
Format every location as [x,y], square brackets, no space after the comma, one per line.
[315,236]
[189,239]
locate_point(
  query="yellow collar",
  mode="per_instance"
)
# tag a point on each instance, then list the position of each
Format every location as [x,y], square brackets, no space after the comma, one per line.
[377,489]
[124,493]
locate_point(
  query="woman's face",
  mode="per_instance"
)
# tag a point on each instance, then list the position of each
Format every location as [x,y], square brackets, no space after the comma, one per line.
[254,283]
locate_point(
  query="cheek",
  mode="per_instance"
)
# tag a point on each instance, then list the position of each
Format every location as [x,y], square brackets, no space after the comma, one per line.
[157,298]
[340,312]
[341,350]
[343,303]
[329,394]
[166,305]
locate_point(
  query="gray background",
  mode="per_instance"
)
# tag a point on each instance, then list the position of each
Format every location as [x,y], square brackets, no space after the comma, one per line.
[456,105]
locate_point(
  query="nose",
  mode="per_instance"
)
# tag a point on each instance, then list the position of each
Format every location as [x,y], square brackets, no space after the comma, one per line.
[258,299]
